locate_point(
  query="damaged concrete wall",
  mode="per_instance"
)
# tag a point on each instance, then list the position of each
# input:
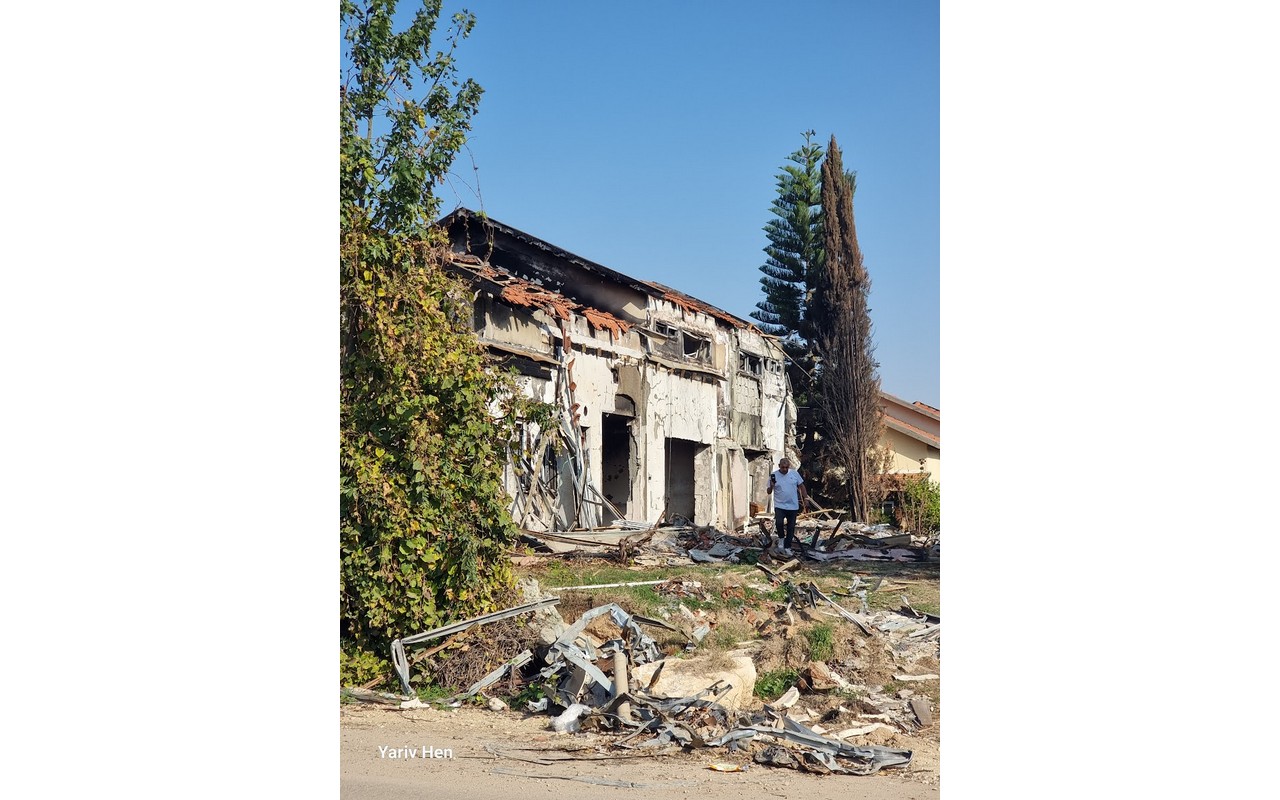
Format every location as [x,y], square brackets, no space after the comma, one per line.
[681,408]
[679,426]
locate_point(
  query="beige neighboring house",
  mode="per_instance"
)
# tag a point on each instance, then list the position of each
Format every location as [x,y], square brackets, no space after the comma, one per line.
[912,431]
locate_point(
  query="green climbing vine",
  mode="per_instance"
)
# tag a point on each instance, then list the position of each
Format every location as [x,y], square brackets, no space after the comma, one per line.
[425,418]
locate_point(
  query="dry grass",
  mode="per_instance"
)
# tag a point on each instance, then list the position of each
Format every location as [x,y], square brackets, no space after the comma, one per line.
[717,660]
[729,629]
[475,653]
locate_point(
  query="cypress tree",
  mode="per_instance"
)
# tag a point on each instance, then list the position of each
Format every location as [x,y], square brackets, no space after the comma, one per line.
[849,402]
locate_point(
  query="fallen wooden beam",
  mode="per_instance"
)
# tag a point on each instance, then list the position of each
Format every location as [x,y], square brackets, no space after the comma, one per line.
[775,575]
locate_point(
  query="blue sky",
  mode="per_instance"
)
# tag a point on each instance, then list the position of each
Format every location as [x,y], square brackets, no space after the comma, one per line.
[647,137]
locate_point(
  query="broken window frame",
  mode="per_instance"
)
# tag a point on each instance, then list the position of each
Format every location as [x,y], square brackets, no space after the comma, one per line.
[750,364]
[701,350]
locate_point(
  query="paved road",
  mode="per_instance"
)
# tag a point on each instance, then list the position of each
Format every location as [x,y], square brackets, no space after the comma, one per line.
[394,755]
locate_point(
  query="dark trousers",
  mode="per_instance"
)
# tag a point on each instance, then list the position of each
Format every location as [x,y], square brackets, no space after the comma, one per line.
[786,516]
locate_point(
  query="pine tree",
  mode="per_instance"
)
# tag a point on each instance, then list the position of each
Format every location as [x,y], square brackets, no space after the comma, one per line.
[795,243]
[796,253]
[849,400]
[794,256]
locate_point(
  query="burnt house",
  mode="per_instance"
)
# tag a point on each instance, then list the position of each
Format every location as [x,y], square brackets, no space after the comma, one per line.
[667,405]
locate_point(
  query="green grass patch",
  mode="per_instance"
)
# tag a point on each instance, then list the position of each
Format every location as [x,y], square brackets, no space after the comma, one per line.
[431,691]
[712,602]
[821,641]
[531,693]
[581,572]
[771,685]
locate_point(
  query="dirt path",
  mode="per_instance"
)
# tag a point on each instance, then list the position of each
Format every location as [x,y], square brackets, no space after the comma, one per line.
[466,767]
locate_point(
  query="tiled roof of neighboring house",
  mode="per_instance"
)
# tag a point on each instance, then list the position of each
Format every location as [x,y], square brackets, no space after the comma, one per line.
[916,406]
[913,431]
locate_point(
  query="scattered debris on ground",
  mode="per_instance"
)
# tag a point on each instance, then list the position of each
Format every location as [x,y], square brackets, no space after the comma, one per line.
[677,544]
[650,685]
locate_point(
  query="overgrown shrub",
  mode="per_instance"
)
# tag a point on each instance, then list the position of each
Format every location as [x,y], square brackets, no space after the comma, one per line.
[357,668]
[423,521]
[921,509]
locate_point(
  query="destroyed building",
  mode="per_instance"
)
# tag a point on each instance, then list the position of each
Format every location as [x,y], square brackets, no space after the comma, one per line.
[667,405]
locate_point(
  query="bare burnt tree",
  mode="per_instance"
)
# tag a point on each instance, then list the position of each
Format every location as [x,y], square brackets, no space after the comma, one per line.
[849,397]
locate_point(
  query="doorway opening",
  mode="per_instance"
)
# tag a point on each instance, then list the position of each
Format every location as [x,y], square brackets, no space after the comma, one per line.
[681,478]
[615,465]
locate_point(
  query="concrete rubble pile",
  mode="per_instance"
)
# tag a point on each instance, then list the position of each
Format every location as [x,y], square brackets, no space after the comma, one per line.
[605,674]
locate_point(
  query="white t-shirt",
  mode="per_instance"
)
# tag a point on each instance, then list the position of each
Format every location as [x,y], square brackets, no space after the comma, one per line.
[786,494]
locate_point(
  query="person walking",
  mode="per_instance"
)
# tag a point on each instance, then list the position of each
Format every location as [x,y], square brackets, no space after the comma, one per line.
[787,499]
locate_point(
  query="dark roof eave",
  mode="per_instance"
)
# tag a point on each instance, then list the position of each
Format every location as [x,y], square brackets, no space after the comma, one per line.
[559,252]
[655,290]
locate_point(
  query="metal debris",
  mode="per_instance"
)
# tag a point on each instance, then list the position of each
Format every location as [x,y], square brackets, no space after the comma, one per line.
[400,659]
[589,678]
[674,541]
[368,696]
[808,594]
